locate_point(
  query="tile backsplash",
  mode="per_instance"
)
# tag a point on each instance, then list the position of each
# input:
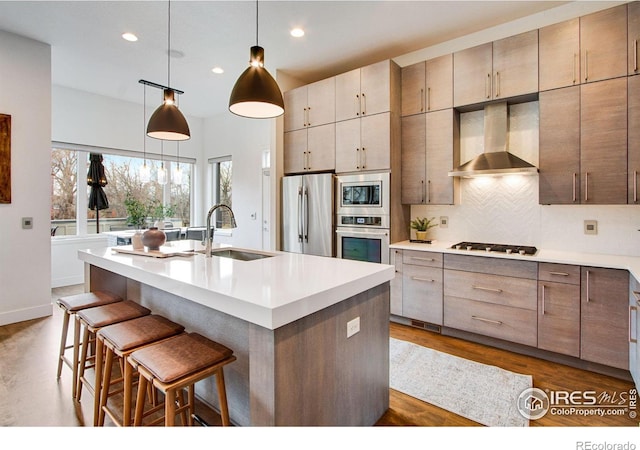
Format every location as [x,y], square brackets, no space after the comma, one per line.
[506,210]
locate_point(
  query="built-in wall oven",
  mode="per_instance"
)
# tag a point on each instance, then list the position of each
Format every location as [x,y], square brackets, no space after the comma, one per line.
[362,217]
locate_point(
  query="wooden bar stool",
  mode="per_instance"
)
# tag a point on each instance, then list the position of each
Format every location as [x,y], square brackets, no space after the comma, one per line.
[119,341]
[91,320]
[70,305]
[175,364]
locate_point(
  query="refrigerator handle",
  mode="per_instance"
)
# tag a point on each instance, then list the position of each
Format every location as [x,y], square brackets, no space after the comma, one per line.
[306,215]
[300,214]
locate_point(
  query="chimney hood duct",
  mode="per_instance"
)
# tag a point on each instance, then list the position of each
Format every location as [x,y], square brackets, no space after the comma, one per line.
[495,160]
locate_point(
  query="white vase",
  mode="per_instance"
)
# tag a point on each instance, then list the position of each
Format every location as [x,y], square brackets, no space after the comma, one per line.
[136,240]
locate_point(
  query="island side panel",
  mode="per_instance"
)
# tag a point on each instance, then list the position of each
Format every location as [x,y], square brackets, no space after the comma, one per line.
[324,378]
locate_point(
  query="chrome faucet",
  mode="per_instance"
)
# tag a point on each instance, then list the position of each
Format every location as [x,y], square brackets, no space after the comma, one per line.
[209,236]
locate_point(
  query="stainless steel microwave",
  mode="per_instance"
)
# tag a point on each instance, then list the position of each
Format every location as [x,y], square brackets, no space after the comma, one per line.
[363,194]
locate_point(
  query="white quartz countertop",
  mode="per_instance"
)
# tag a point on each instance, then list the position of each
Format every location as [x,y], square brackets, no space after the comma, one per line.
[630,263]
[269,292]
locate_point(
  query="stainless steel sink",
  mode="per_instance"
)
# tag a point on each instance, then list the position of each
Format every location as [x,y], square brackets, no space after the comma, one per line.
[241,255]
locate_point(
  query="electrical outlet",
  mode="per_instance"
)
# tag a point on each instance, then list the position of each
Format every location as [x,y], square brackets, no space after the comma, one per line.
[353,326]
[27,223]
[590,227]
[444,221]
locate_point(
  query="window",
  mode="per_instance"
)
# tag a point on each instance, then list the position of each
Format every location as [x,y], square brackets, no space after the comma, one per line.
[222,175]
[69,210]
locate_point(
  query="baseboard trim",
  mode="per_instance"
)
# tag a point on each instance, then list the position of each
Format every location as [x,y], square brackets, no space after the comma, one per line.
[21,315]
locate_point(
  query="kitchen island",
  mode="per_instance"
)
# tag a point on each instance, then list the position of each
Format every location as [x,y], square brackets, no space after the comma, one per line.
[285,316]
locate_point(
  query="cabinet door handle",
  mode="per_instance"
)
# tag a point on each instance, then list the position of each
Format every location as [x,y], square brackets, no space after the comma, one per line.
[482,319]
[308,116]
[575,59]
[487,86]
[358,158]
[497,84]
[364,157]
[308,160]
[429,191]
[364,104]
[417,258]
[424,189]
[587,273]
[586,65]
[357,104]
[543,298]
[632,340]
[635,186]
[429,99]
[586,186]
[635,55]
[423,279]
[481,288]
[304,117]
[422,100]
[575,178]
[304,160]
[560,274]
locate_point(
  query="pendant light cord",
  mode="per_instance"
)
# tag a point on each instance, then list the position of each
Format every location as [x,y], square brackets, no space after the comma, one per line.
[144,122]
[257,23]
[169,44]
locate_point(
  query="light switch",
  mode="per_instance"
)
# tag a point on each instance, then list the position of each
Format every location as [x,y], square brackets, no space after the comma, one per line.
[444,221]
[590,227]
[27,223]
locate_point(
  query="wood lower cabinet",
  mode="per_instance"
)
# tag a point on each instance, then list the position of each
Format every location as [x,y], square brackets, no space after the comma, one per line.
[395,259]
[603,44]
[480,297]
[559,55]
[559,308]
[633,139]
[605,316]
[422,286]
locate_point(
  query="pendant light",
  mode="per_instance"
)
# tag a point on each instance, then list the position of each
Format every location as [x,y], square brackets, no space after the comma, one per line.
[145,171]
[162,172]
[177,171]
[167,122]
[256,94]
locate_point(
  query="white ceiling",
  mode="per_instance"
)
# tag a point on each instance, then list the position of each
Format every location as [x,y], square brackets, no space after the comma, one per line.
[89,54]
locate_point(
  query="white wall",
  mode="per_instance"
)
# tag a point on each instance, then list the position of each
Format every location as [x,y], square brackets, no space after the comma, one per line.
[25,264]
[66,268]
[244,140]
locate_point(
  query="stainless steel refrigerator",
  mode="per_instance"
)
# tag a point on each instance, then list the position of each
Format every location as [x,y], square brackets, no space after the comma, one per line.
[307,214]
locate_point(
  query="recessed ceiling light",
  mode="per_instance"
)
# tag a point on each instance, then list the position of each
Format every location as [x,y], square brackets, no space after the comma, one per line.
[129,37]
[217,70]
[297,32]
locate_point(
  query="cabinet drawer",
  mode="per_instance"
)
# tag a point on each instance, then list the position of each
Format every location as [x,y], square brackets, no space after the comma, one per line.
[422,293]
[498,321]
[495,266]
[559,273]
[497,289]
[419,258]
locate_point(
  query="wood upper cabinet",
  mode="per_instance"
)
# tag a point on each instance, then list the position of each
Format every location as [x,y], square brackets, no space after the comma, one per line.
[603,142]
[367,90]
[413,86]
[429,146]
[559,55]
[310,150]
[472,75]
[559,146]
[427,85]
[505,68]
[310,105]
[604,316]
[364,144]
[633,146]
[603,44]
[633,32]
[559,309]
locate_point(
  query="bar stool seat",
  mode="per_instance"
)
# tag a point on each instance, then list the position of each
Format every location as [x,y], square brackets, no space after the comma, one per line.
[91,320]
[120,340]
[175,364]
[70,305]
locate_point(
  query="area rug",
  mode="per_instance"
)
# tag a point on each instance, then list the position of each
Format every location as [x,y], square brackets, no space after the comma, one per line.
[482,393]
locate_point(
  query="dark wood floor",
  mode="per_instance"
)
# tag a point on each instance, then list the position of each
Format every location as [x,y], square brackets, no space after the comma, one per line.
[27,378]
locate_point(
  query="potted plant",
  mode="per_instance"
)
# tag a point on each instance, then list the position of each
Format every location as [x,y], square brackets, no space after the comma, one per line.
[159,212]
[137,212]
[421,225]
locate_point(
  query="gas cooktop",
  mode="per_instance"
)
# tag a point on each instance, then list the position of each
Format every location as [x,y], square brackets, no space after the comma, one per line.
[487,247]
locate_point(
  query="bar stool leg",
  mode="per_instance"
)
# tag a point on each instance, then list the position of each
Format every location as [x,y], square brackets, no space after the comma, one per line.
[63,342]
[140,398]
[103,381]
[83,358]
[128,393]
[170,408]
[222,398]
[76,356]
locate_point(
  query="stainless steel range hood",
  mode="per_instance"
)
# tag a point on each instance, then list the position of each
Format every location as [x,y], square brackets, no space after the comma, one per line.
[495,160]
